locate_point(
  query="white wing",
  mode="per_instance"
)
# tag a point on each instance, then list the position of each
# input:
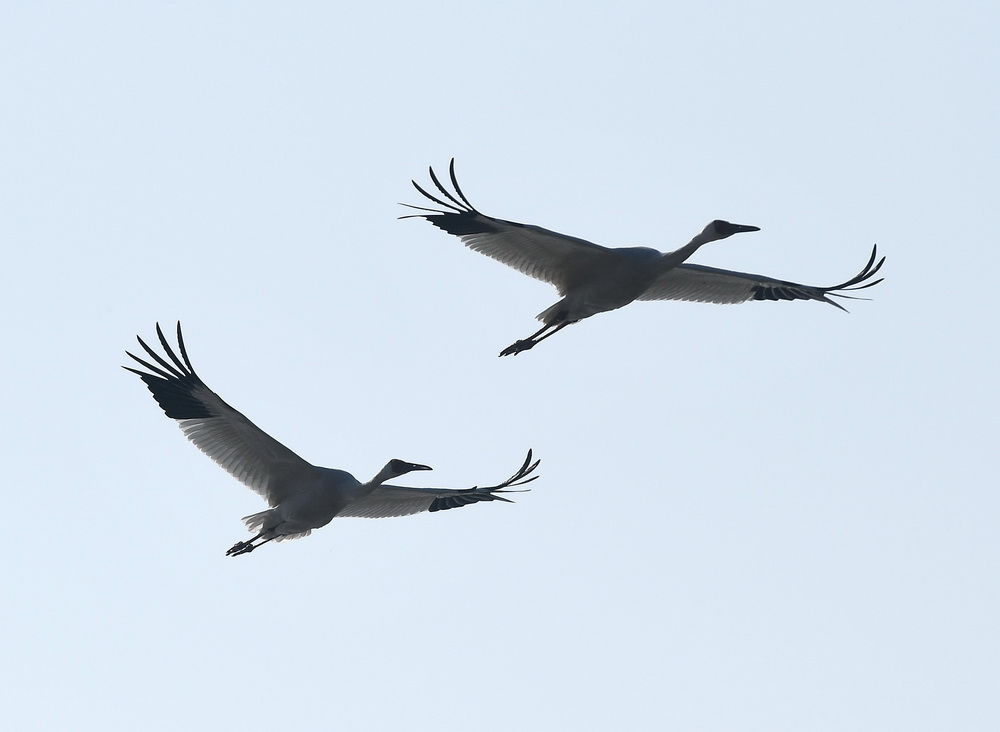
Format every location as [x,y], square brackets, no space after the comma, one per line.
[392,500]
[387,501]
[545,255]
[234,442]
[697,283]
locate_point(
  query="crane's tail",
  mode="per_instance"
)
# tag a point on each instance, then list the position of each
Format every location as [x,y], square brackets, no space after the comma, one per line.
[270,521]
[255,521]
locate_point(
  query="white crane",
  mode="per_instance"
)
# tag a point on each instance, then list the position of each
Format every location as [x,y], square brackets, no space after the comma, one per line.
[301,496]
[592,279]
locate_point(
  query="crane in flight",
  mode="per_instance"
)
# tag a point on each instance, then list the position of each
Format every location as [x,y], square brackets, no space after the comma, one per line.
[592,279]
[301,496]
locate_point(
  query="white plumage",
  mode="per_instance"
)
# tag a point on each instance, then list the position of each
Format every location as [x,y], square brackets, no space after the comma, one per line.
[301,496]
[592,279]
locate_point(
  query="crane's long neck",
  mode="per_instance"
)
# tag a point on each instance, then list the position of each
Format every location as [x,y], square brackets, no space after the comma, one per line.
[383,475]
[672,259]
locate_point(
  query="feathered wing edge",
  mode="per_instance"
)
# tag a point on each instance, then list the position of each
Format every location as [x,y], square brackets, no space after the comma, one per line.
[698,283]
[171,385]
[532,250]
[460,498]
[457,206]
[792,291]
[232,441]
[389,501]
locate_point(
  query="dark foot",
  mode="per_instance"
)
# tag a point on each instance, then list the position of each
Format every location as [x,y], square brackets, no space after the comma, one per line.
[240,547]
[516,348]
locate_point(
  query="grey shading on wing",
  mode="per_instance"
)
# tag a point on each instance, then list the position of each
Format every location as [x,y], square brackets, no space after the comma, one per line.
[545,255]
[234,442]
[697,283]
[388,501]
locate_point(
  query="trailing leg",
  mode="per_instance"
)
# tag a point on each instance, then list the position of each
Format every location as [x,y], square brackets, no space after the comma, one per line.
[245,547]
[535,338]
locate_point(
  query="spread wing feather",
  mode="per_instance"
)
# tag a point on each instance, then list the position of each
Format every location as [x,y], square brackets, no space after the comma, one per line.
[697,283]
[388,501]
[234,442]
[540,253]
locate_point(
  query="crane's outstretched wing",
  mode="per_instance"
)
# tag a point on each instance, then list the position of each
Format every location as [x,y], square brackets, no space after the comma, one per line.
[391,500]
[246,452]
[696,283]
[545,255]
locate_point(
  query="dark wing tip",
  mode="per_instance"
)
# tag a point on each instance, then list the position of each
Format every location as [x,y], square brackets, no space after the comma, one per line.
[443,503]
[518,478]
[489,493]
[172,383]
[861,281]
[779,290]
[452,203]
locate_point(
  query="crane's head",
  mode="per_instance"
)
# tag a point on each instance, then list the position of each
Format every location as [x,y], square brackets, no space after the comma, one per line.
[396,468]
[720,229]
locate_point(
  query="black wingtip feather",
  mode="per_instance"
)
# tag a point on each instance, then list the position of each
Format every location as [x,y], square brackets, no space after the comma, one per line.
[173,385]
[455,205]
[489,493]
[446,502]
[462,224]
[793,291]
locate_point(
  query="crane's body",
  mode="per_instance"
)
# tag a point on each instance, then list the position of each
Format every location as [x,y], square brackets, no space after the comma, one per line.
[301,496]
[593,279]
[596,287]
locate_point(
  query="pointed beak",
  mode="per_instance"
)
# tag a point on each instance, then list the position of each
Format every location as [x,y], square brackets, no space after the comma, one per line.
[415,466]
[724,229]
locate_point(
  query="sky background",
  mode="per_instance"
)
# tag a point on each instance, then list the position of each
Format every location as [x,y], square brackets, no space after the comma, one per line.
[769,516]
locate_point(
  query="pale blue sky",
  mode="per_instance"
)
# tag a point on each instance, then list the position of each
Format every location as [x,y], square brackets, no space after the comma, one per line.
[772,516]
